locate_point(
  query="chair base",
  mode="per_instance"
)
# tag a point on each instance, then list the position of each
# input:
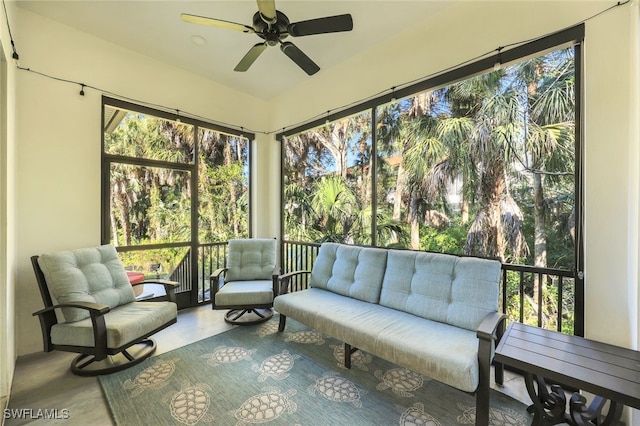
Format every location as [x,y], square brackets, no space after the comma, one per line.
[248,316]
[86,365]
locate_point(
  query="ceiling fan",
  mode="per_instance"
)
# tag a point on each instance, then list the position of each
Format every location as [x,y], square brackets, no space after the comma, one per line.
[274,27]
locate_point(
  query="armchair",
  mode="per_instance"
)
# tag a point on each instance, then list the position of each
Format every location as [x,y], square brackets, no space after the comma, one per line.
[248,283]
[90,309]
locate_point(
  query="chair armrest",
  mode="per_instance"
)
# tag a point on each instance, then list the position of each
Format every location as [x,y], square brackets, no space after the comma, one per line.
[218,272]
[214,281]
[96,313]
[285,279]
[169,287]
[275,274]
[93,308]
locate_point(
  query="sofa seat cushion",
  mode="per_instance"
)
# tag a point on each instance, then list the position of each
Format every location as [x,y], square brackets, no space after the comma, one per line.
[235,293]
[440,351]
[124,324]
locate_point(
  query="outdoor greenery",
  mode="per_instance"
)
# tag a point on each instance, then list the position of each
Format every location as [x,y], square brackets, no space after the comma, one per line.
[158,163]
[484,166]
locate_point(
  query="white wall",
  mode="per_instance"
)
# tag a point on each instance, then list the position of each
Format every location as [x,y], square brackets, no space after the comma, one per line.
[611,177]
[7,214]
[58,155]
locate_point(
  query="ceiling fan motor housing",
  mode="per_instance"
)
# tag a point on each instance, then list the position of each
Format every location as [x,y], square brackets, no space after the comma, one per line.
[274,32]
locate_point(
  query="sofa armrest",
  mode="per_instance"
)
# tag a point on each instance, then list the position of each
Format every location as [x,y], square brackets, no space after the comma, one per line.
[285,280]
[489,334]
[492,327]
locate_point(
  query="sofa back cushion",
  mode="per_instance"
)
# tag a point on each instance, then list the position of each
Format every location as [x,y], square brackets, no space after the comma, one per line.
[454,290]
[86,275]
[251,259]
[351,271]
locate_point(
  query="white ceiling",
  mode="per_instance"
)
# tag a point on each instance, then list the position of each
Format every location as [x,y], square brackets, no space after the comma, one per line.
[154,28]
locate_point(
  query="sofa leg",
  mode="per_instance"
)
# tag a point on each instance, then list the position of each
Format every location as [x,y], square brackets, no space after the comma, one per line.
[347,355]
[282,323]
[348,350]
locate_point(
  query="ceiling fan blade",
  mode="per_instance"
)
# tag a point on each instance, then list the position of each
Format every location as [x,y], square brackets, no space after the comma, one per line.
[267,9]
[329,24]
[299,58]
[202,20]
[249,58]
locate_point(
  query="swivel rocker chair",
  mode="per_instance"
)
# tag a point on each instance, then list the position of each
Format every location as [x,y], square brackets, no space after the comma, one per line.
[90,309]
[248,283]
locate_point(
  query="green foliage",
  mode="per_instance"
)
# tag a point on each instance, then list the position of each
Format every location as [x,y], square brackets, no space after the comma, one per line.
[501,144]
[450,240]
[151,205]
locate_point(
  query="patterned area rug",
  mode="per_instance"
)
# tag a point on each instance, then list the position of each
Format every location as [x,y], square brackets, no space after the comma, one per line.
[256,375]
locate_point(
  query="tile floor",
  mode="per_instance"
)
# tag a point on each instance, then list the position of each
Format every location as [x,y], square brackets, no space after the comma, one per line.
[43,380]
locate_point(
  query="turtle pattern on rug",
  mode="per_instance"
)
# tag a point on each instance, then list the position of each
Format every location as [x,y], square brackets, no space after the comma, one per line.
[256,375]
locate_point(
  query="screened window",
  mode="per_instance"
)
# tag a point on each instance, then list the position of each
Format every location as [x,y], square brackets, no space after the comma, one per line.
[175,190]
[480,160]
[484,166]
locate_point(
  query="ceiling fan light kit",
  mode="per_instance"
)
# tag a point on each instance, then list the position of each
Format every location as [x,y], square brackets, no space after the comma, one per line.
[274,27]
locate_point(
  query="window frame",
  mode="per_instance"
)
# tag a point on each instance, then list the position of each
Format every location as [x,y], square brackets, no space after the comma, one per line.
[107,159]
[570,37]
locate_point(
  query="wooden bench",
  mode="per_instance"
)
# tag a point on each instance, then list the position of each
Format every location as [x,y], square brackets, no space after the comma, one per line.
[610,372]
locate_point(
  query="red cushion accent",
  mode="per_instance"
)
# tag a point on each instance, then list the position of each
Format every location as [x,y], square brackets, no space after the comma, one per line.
[135,277]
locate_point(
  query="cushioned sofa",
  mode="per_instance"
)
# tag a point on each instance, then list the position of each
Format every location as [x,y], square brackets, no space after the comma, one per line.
[435,314]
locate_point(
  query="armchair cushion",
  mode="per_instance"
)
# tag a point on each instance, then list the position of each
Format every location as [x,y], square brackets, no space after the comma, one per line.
[86,275]
[238,293]
[251,259]
[123,323]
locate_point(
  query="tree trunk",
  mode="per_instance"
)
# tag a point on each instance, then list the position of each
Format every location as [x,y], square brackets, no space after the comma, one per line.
[464,211]
[114,225]
[233,207]
[540,244]
[486,236]
[123,204]
[415,223]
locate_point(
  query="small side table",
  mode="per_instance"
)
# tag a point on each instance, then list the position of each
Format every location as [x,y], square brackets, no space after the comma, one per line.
[610,372]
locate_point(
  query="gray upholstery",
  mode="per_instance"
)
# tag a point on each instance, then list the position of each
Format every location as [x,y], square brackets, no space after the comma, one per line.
[450,289]
[440,351]
[248,293]
[124,324]
[105,321]
[86,275]
[416,309]
[249,277]
[351,271]
[251,259]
